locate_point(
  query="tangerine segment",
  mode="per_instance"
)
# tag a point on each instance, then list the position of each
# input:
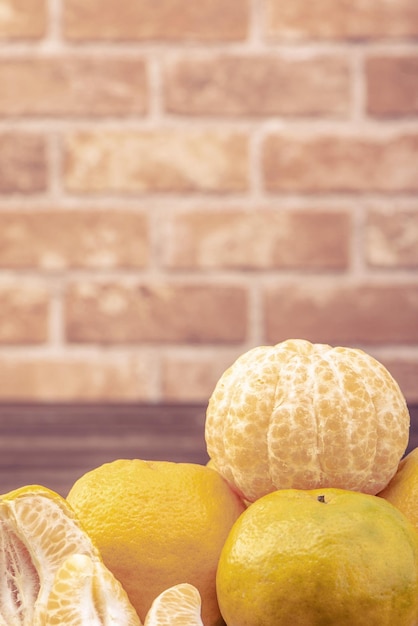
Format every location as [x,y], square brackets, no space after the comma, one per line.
[302,415]
[20,582]
[85,593]
[179,605]
[38,530]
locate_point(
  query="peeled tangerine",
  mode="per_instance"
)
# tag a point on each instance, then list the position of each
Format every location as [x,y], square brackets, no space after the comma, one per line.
[305,416]
[51,573]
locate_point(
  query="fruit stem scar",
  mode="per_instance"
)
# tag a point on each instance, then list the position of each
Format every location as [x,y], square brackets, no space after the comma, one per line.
[321,499]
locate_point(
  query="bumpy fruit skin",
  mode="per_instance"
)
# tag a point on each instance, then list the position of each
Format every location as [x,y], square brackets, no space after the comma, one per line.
[310,558]
[402,490]
[158,524]
[306,416]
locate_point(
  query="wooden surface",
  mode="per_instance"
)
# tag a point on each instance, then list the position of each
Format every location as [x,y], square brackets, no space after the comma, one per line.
[53,444]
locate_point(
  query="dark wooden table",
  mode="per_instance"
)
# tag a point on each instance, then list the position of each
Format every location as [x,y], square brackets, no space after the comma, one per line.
[54,444]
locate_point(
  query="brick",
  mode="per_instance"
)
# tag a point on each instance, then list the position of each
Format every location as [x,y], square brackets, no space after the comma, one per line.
[62,85]
[24,313]
[70,378]
[160,161]
[392,85]
[405,372]
[391,238]
[329,163]
[56,240]
[23,19]
[23,163]
[330,312]
[192,377]
[258,85]
[160,312]
[327,19]
[261,239]
[208,20]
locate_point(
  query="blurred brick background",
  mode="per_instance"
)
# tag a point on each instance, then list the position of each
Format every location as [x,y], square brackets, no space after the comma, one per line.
[181,181]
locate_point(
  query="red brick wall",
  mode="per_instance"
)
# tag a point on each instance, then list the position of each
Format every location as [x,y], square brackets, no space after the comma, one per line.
[181,181]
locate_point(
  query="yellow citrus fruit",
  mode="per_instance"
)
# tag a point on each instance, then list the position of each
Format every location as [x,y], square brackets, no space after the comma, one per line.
[39,538]
[402,490]
[85,593]
[302,415]
[316,557]
[177,606]
[158,524]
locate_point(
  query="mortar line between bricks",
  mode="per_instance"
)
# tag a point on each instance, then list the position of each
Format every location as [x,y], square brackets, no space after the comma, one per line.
[200,352]
[358,264]
[255,167]
[256,323]
[149,202]
[75,351]
[56,322]
[154,70]
[223,276]
[130,277]
[55,169]
[297,126]
[255,41]
[116,349]
[54,35]
[358,87]
[54,42]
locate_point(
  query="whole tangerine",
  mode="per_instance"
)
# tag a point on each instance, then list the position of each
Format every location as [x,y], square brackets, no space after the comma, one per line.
[158,524]
[402,490]
[317,557]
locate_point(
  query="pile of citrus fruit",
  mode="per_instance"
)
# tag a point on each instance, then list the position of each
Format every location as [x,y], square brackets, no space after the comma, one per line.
[306,514]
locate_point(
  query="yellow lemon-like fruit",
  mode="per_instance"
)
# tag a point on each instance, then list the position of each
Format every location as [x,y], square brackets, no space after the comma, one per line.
[158,524]
[39,538]
[310,558]
[302,415]
[402,490]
